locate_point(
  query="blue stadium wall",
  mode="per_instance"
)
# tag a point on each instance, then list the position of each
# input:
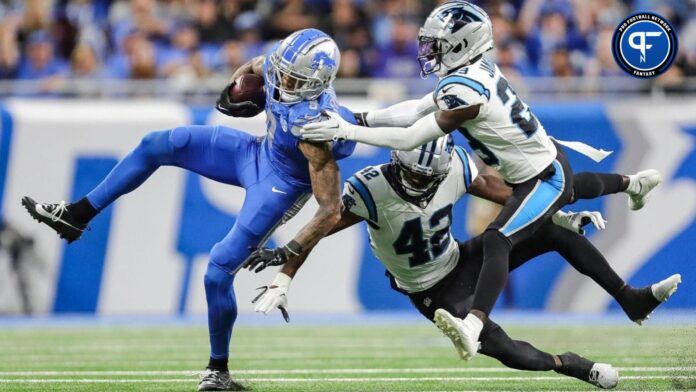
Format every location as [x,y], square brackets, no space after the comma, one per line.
[146,253]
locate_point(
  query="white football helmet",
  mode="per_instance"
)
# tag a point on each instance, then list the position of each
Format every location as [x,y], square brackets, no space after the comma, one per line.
[452,35]
[420,171]
[303,65]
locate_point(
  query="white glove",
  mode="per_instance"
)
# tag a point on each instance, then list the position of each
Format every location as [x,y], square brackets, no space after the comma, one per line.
[274,296]
[333,128]
[575,221]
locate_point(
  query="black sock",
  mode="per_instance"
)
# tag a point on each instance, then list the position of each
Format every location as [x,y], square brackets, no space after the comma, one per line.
[573,365]
[83,210]
[218,364]
[636,302]
[588,185]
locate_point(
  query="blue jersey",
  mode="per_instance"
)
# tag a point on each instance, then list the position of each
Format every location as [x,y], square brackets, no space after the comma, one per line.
[283,123]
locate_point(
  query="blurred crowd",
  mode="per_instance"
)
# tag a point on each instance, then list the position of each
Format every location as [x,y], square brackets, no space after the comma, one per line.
[50,40]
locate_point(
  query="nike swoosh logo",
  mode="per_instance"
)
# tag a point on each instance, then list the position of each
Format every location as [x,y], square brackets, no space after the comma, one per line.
[276,190]
[446,89]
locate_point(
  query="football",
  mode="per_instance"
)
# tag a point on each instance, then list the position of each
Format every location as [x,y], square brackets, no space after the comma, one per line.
[249,87]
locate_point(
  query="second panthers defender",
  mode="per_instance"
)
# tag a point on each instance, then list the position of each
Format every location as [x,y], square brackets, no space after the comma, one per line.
[407,205]
[473,97]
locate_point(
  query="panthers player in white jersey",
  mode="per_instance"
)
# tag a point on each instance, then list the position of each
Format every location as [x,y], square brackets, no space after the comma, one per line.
[407,205]
[473,97]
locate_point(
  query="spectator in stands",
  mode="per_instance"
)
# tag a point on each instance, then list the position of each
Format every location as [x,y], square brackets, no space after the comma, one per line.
[397,59]
[560,63]
[9,50]
[40,61]
[84,63]
[176,57]
[289,16]
[213,26]
[556,28]
[137,58]
[247,26]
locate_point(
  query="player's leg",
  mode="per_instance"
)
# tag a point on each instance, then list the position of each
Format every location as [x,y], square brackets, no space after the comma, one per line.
[531,204]
[261,213]
[518,354]
[449,301]
[579,252]
[587,185]
[216,152]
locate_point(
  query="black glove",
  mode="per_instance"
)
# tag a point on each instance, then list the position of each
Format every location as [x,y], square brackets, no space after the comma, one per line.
[235,109]
[264,257]
[361,119]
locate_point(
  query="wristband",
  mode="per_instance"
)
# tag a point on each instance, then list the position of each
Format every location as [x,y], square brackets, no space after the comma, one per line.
[293,247]
[281,280]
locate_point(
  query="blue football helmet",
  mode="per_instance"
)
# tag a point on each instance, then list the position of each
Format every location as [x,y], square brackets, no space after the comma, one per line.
[303,65]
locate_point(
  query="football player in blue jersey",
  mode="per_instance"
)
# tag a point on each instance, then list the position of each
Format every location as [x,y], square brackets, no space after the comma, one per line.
[278,171]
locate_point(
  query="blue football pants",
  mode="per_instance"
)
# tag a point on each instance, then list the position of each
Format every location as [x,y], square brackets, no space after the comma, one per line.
[225,155]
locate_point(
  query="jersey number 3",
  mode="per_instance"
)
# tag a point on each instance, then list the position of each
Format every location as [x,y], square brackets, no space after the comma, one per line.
[520,114]
[411,240]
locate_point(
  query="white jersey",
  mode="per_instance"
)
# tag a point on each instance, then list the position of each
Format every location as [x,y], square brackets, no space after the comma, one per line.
[505,134]
[414,242]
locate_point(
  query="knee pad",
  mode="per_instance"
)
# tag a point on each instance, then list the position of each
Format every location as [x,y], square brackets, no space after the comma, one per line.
[229,253]
[155,146]
[180,137]
[216,276]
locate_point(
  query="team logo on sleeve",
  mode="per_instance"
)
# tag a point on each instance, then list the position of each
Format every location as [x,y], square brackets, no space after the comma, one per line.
[348,202]
[644,45]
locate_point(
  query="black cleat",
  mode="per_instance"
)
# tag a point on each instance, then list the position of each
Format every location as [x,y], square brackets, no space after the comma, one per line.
[219,380]
[638,304]
[56,216]
[601,375]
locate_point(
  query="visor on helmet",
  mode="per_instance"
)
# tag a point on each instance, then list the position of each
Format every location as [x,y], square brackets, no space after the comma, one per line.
[429,55]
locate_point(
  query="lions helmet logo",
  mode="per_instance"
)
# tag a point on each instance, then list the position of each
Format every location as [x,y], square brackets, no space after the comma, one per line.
[322,60]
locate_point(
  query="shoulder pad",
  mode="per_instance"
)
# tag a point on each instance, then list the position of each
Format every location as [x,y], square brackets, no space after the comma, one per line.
[457,91]
[361,195]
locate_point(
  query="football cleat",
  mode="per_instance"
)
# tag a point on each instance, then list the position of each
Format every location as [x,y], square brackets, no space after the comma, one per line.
[661,291]
[604,376]
[601,375]
[647,180]
[464,333]
[218,380]
[57,217]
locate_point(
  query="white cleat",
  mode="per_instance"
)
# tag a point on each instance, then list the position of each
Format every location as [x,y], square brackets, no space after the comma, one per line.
[464,334]
[664,289]
[604,376]
[647,180]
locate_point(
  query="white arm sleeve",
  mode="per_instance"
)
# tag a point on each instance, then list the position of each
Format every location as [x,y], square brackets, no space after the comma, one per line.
[423,130]
[402,114]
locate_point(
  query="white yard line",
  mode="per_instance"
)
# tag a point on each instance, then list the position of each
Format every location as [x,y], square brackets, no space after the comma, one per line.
[338,379]
[312,371]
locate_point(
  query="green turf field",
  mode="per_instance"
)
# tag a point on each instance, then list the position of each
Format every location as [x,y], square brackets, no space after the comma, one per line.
[331,358]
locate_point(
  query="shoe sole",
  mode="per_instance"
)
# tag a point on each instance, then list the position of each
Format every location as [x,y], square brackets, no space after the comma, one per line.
[674,282]
[443,321]
[634,205]
[65,232]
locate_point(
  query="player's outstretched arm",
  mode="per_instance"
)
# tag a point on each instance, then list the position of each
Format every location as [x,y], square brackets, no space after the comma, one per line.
[427,128]
[402,114]
[276,294]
